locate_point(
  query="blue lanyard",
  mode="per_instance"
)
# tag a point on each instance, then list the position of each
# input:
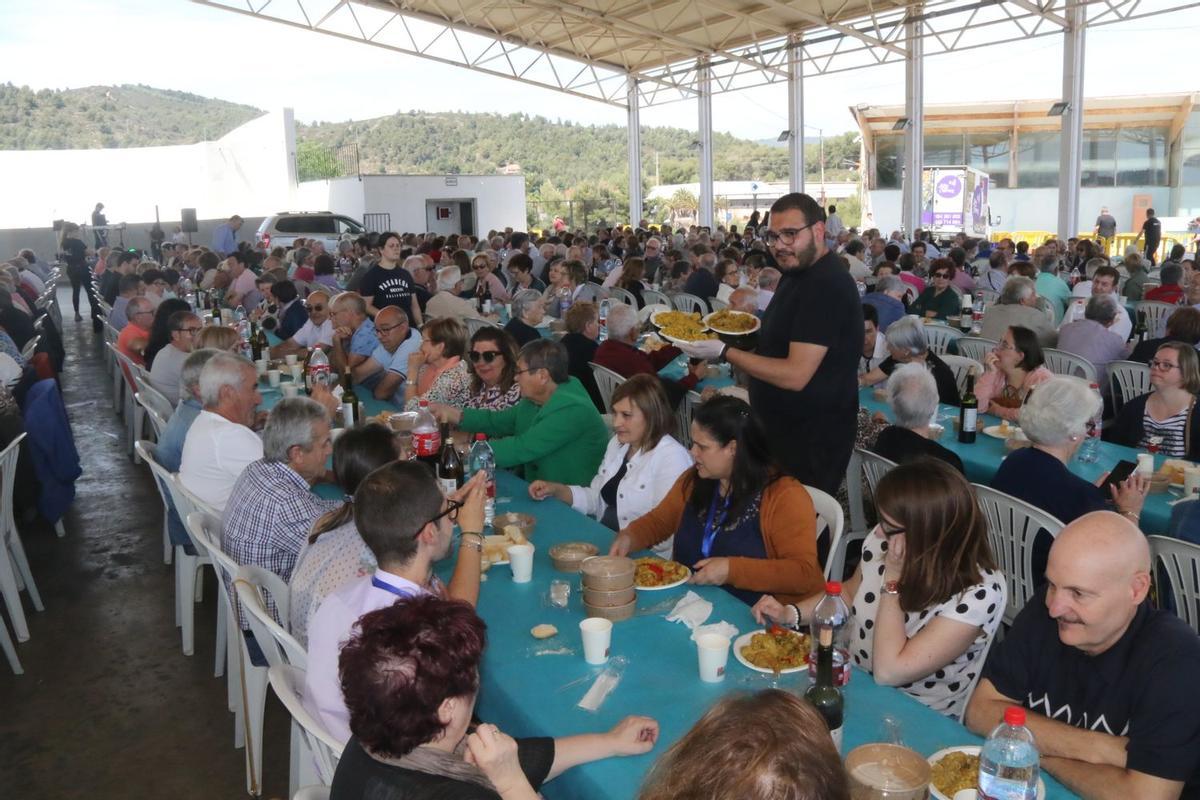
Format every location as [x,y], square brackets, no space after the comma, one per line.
[396,590]
[713,524]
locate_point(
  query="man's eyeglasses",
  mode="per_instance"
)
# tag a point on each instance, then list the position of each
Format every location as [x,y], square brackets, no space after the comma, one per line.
[1163,365]
[316,308]
[389,328]
[530,369]
[787,235]
[486,356]
[190,330]
[451,511]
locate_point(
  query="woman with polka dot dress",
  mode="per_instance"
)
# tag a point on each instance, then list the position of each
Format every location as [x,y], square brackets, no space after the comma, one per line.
[927,596]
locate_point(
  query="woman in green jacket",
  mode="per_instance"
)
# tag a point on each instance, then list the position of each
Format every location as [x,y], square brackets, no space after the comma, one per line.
[554,433]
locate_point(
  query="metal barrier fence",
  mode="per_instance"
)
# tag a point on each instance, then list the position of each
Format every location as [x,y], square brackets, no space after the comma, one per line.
[316,162]
[542,215]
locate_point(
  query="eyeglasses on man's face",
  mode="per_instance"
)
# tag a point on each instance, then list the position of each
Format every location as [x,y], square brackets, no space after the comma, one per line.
[787,235]
[450,511]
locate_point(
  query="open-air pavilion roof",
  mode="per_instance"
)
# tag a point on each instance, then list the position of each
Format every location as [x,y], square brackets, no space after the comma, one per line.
[590,48]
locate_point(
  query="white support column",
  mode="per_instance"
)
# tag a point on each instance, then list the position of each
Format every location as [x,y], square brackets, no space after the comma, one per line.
[914,109]
[635,154]
[704,86]
[796,112]
[1070,166]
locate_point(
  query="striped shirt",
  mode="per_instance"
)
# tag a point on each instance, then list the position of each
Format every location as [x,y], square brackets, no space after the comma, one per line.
[1170,431]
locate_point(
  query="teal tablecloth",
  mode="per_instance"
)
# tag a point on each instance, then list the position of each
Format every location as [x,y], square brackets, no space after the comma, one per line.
[983,458]
[527,694]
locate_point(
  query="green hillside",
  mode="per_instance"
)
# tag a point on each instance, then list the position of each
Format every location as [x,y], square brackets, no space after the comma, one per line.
[112,116]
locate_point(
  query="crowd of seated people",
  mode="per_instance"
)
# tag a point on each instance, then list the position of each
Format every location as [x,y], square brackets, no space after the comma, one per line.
[460,322]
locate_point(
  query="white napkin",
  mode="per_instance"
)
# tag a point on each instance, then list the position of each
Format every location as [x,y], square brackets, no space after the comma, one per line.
[692,610]
[721,628]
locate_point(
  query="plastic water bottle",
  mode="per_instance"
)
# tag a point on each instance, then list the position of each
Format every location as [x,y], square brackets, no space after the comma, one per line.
[1008,763]
[1089,448]
[605,305]
[481,457]
[564,302]
[831,614]
[317,370]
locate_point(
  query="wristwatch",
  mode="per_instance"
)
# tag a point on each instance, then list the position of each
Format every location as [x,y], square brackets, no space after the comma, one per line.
[891,587]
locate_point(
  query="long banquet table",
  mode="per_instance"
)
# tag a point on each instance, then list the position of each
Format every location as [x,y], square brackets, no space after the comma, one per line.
[528,694]
[983,458]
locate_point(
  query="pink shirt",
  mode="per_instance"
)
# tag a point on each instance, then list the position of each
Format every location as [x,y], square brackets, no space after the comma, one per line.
[992,383]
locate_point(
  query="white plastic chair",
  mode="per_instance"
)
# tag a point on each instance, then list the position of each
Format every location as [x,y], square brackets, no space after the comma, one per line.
[10,652]
[1156,315]
[325,751]
[1129,379]
[30,347]
[1181,562]
[1060,362]
[960,365]
[186,504]
[688,302]
[622,296]
[14,566]
[607,381]
[131,411]
[863,463]
[151,398]
[474,324]
[717,304]
[684,414]
[188,590]
[831,519]
[975,347]
[940,336]
[251,696]
[653,297]
[1013,526]
[279,648]
[312,793]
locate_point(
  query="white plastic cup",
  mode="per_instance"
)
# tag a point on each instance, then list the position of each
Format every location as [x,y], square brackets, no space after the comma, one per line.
[297,373]
[273,378]
[291,390]
[261,366]
[520,558]
[1145,464]
[597,639]
[713,650]
[290,360]
[1191,482]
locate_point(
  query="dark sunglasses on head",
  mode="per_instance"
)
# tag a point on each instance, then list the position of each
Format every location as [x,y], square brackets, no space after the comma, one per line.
[487,356]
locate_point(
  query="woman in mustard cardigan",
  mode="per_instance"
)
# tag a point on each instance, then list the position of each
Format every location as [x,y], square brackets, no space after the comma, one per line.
[738,522]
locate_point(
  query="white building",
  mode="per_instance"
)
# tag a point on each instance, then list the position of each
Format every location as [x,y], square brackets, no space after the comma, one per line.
[1138,153]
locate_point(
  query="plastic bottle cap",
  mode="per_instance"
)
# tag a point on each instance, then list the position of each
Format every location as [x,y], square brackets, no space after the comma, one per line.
[480,437]
[833,587]
[423,403]
[1014,715]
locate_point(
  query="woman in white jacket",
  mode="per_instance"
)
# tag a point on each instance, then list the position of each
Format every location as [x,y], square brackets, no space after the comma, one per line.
[641,464]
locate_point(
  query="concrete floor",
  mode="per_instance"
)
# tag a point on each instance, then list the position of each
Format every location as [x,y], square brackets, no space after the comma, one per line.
[109,707]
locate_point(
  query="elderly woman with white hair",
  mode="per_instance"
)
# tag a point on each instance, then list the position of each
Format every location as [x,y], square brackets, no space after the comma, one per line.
[447,302]
[528,311]
[913,396]
[1055,419]
[1018,307]
[906,344]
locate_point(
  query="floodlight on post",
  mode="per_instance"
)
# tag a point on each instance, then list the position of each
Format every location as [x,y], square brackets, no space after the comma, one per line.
[784,136]
[1058,109]
[900,124]
[695,145]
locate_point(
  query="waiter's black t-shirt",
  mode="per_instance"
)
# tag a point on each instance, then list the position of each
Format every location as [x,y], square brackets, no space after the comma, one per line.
[388,287]
[1142,687]
[810,429]
[1152,228]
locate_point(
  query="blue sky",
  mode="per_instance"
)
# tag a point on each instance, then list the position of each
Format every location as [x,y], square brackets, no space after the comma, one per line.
[174,44]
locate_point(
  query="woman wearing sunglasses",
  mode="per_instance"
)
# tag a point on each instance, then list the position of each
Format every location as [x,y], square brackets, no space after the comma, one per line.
[1168,415]
[939,300]
[493,366]
[927,596]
